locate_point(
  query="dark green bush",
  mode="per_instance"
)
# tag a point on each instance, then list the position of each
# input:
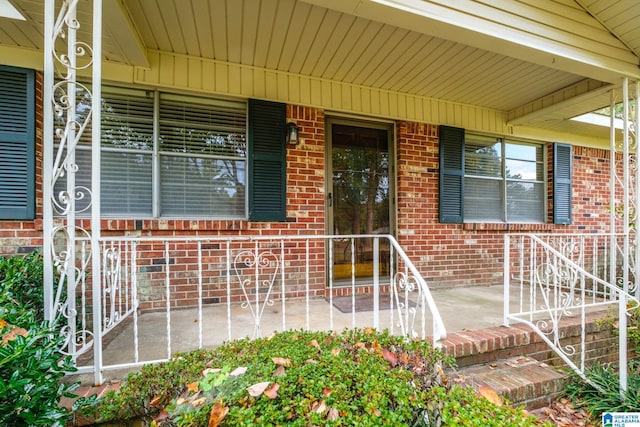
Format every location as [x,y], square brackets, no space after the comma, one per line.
[358,377]
[21,281]
[31,364]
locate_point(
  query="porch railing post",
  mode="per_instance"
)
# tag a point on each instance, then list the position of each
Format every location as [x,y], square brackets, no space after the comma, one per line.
[376,283]
[95,188]
[506,282]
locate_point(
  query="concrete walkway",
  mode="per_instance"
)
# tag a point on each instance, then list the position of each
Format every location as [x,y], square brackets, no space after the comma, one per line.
[463,308]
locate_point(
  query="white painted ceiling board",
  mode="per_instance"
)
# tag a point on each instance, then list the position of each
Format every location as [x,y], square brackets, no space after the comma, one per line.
[333,44]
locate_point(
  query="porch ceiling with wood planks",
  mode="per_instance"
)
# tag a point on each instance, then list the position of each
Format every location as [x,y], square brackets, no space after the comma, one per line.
[540,62]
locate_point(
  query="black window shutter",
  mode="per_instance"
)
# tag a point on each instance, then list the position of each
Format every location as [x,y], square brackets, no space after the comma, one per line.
[17,143]
[451,174]
[562,172]
[267,161]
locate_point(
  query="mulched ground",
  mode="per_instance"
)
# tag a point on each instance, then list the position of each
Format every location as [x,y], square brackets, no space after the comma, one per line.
[562,413]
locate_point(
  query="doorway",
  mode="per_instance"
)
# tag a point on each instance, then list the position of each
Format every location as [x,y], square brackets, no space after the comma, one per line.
[360,194]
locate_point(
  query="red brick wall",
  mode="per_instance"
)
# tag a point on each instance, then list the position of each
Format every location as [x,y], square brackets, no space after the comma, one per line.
[472,254]
[446,254]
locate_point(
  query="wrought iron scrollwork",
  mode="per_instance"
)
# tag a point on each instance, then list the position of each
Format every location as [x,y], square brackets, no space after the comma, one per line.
[256,273]
[407,297]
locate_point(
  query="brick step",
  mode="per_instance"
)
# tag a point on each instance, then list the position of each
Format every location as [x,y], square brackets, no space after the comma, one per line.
[521,380]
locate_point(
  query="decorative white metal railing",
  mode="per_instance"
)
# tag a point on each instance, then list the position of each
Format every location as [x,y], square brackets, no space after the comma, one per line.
[159,296]
[550,278]
[71,112]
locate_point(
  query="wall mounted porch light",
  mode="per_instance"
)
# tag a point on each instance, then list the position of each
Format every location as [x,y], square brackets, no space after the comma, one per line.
[292,134]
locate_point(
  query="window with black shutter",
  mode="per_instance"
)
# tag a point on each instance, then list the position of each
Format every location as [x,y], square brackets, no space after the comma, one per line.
[451,174]
[562,183]
[267,161]
[17,143]
[494,179]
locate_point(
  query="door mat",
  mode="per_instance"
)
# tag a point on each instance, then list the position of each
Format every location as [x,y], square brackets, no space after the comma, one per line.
[363,302]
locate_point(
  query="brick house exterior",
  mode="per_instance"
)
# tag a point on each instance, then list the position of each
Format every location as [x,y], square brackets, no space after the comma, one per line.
[468,254]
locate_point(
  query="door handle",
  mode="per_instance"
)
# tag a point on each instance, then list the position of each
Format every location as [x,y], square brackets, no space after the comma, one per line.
[330,200]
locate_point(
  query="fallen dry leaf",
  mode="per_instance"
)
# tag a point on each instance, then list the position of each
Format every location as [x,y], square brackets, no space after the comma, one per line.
[280,372]
[156,401]
[238,371]
[3,324]
[333,414]
[360,346]
[389,357]
[272,391]
[376,346]
[193,387]
[282,361]
[209,370]
[490,394]
[368,331]
[256,390]
[319,407]
[326,391]
[12,334]
[198,402]
[217,414]
[335,351]
[443,377]
[162,416]
[315,344]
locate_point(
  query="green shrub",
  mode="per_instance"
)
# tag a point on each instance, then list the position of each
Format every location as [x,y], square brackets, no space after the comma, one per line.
[300,378]
[31,365]
[21,283]
[461,406]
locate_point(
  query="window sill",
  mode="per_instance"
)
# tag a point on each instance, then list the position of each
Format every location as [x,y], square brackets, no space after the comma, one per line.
[488,226]
[169,225]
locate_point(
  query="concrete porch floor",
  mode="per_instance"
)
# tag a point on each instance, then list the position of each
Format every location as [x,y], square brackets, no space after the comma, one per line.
[462,308]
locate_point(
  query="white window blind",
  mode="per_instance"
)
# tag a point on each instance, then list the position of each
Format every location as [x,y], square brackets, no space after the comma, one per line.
[202,157]
[200,149]
[504,180]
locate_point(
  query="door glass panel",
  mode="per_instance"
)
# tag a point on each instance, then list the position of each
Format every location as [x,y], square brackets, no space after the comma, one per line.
[360,198]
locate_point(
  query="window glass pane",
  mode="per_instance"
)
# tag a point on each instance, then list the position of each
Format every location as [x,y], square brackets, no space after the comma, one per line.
[519,169]
[483,199]
[125,186]
[525,202]
[483,157]
[202,147]
[196,186]
[126,183]
[202,128]
[127,120]
[530,152]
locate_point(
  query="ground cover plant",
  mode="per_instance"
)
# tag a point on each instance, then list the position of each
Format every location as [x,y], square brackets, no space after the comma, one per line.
[299,378]
[31,364]
[602,392]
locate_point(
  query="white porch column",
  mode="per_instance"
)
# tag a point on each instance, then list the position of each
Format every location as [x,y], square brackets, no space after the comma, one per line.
[623,216]
[47,158]
[96,129]
[69,107]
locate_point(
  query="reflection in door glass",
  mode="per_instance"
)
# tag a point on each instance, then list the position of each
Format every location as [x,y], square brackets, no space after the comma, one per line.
[360,197]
